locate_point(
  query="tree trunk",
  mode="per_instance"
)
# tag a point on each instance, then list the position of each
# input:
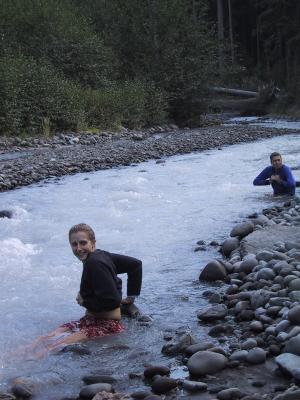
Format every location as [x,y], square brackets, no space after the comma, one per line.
[220,34]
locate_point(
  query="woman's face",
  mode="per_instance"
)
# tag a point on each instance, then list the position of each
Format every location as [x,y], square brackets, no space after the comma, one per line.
[81,245]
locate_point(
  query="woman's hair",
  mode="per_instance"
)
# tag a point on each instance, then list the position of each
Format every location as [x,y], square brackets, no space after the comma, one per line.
[83,228]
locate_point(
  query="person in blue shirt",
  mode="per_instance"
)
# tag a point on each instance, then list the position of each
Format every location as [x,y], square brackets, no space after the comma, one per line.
[278,175]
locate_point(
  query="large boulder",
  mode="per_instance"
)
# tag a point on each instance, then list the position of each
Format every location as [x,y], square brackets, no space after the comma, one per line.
[242,230]
[213,271]
[206,362]
[6,214]
[289,363]
[293,346]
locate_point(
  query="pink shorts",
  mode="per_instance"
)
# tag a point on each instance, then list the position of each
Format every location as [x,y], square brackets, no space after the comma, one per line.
[94,327]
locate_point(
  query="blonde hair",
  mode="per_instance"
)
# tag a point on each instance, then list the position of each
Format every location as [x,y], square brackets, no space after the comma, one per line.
[83,228]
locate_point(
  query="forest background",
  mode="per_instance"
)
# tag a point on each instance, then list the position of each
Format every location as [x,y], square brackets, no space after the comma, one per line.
[102,64]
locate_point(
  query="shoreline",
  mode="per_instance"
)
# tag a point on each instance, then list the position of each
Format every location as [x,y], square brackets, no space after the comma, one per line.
[63,155]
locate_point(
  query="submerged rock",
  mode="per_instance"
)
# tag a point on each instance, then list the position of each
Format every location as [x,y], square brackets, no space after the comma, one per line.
[213,271]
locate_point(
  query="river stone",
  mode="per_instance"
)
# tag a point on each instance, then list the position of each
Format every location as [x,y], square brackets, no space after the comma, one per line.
[293,346]
[21,391]
[290,363]
[229,245]
[211,313]
[89,391]
[292,245]
[163,385]
[264,255]
[230,394]
[248,265]
[256,326]
[295,295]
[239,355]
[288,395]
[294,315]
[266,274]
[213,271]
[153,370]
[7,396]
[194,348]
[206,362]
[242,230]
[256,356]
[140,394]
[152,397]
[91,379]
[249,344]
[193,386]
[294,284]
[6,214]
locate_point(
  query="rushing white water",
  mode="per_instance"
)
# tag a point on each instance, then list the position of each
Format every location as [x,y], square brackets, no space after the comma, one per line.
[155,212]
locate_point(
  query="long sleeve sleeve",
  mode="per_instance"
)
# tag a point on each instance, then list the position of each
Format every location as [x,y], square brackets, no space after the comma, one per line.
[288,181]
[263,178]
[133,268]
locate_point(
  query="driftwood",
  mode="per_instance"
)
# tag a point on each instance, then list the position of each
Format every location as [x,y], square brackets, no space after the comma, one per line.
[256,103]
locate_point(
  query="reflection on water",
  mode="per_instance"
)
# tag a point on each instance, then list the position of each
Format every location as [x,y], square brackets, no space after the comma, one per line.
[156,212]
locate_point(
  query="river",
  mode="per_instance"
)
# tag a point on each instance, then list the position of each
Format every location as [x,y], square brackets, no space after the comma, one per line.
[153,211]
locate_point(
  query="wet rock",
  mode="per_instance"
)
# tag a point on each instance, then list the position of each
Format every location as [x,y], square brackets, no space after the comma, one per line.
[153,370]
[213,271]
[293,346]
[242,230]
[265,273]
[212,313]
[294,315]
[288,395]
[249,344]
[89,391]
[152,397]
[194,348]
[289,363]
[264,255]
[248,264]
[206,362]
[22,391]
[230,394]
[256,326]
[256,356]
[193,386]
[177,346]
[77,348]
[7,396]
[91,379]
[163,385]
[229,245]
[239,355]
[6,214]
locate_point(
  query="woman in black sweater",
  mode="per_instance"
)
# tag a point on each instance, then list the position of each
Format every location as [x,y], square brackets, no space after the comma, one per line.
[100,292]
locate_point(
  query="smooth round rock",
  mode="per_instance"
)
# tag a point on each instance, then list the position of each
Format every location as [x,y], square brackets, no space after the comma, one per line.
[163,385]
[89,391]
[229,245]
[230,394]
[193,386]
[293,346]
[153,370]
[213,271]
[211,313]
[294,315]
[206,362]
[256,356]
[241,230]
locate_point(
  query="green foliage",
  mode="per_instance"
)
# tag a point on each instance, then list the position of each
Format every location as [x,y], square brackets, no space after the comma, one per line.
[32,93]
[133,104]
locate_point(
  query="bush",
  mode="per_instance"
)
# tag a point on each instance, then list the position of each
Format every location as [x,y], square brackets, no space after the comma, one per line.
[133,104]
[34,93]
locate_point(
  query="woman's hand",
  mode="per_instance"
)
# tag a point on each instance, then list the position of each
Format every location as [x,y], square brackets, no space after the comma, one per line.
[128,300]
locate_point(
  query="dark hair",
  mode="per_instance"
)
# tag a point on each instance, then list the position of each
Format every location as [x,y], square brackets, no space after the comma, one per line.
[83,228]
[275,154]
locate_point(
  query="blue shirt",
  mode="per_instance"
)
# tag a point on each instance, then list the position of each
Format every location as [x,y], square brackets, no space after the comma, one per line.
[288,184]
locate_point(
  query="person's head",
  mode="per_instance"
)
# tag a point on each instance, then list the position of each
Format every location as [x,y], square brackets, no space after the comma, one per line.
[276,160]
[82,240]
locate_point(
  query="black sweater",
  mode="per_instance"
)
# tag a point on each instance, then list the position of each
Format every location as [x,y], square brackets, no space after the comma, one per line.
[100,288]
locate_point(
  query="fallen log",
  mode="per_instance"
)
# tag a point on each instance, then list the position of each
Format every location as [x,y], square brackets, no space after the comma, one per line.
[234,92]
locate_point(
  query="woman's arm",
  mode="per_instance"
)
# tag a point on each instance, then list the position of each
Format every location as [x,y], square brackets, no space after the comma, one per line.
[133,268]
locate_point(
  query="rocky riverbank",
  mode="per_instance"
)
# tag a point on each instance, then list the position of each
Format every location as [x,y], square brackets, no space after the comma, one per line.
[23,162]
